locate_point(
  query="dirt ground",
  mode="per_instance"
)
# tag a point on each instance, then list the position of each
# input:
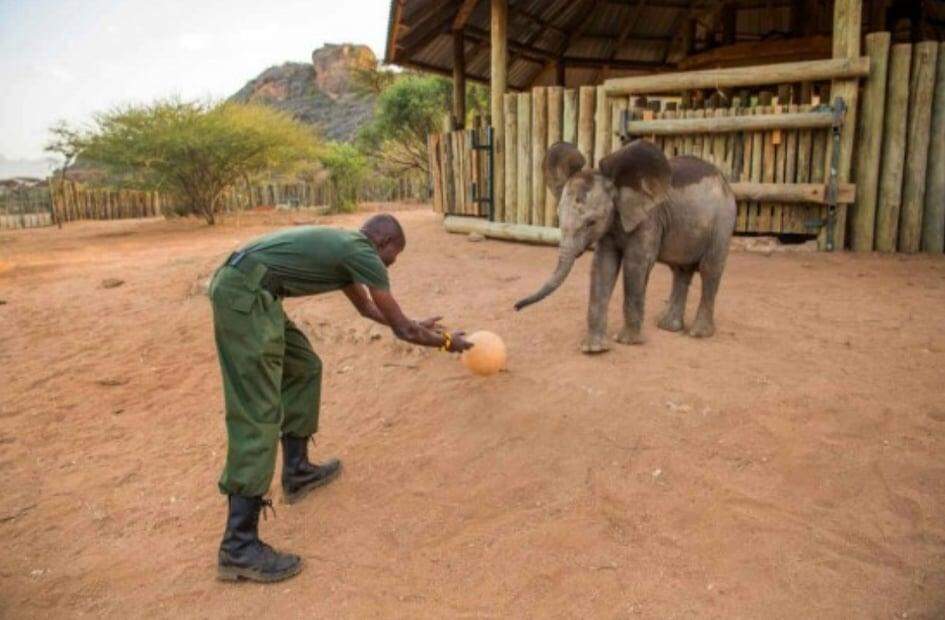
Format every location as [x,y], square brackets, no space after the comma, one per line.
[790,467]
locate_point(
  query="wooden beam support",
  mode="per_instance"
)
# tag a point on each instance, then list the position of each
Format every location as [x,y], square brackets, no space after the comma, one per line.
[813,193]
[422,34]
[758,122]
[863,216]
[398,11]
[752,53]
[459,80]
[499,19]
[462,15]
[811,70]
[544,235]
[847,18]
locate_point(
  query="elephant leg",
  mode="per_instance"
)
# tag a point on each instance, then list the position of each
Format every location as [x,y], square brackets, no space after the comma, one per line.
[704,325]
[603,277]
[672,319]
[710,272]
[636,273]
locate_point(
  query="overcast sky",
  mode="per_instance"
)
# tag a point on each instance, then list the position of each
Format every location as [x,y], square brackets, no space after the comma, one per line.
[64,59]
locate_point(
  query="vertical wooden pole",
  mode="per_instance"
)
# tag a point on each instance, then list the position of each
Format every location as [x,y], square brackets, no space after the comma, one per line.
[508,214]
[570,121]
[618,107]
[560,74]
[729,23]
[523,195]
[917,152]
[870,143]
[459,80]
[497,82]
[555,103]
[847,19]
[601,126]
[539,140]
[933,223]
[894,148]
[585,142]
[790,220]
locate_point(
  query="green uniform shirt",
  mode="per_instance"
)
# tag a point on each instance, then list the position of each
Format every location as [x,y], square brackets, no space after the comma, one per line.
[309,260]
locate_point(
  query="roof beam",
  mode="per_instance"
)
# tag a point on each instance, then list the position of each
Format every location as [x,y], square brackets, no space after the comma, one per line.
[462,15]
[421,35]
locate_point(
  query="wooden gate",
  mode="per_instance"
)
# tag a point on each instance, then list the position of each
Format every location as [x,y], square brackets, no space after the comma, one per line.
[461,172]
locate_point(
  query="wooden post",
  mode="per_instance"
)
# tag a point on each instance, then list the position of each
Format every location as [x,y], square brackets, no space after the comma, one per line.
[894,148]
[917,152]
[870,143]
[570,121]
[459,80]
[585,137]
[508,213]
[555,102]
[847,18]
[601,126]
[618,107]
[729,23]
[523,194]
[539,140]
[768,160]
[497,83]
[933,224]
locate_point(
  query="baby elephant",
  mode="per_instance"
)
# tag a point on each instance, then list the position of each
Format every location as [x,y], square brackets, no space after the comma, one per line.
[639,208]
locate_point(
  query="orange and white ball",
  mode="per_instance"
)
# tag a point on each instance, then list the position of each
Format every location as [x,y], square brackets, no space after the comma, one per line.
[487,356]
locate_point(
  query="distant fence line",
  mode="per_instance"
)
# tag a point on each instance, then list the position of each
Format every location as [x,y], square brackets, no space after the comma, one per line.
[71,201]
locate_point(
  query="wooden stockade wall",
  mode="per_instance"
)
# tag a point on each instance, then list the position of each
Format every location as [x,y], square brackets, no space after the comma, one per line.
[74,201]
[900,154]
[456,168]
[588,118]
[892,144]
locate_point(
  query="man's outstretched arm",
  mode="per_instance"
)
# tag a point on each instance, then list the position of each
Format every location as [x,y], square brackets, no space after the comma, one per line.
[358,296]
[412,331]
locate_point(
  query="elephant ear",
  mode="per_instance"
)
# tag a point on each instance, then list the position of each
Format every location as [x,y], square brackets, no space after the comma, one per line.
[562,160]
[641,175]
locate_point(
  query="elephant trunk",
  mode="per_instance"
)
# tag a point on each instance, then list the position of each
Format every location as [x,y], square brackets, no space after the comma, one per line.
[565,262]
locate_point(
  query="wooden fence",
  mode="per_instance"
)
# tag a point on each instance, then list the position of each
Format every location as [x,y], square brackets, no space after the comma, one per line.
[900,165]
[591,120]
[779,171]
[74,201]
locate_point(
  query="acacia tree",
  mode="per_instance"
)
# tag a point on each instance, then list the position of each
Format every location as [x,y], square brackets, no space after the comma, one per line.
[408,109]
[194,150]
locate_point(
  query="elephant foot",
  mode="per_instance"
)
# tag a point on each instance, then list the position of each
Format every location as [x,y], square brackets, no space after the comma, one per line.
[670,322]
[702,329]
[594,343]
[630,336]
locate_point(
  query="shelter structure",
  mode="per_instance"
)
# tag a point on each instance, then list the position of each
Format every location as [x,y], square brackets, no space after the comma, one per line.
[827,116]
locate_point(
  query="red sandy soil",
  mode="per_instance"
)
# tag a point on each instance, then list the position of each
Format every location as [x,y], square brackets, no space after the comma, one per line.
[790,467]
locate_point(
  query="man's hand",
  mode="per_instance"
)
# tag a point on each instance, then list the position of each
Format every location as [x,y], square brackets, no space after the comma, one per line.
[458,344]
[432,323]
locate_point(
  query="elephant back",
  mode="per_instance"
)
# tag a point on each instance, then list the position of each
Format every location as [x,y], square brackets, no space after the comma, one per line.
[640,166]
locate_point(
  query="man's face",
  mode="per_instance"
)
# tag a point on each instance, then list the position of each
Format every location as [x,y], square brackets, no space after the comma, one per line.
[389,251]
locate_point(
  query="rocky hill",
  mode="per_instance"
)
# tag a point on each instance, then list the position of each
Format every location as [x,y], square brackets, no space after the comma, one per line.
[318,93]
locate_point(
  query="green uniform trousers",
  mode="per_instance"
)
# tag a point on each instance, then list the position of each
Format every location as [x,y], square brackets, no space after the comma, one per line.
[271,378]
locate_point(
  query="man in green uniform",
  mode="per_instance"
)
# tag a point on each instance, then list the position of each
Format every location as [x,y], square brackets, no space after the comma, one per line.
[272,377]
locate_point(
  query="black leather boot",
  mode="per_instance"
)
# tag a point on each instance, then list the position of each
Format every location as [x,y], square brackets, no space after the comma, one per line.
[298,475]
[243,555]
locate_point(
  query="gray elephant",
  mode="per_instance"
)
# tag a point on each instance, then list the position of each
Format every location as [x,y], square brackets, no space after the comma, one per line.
[640,208]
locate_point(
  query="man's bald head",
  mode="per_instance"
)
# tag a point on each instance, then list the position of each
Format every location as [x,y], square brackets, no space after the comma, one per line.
[385,232]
